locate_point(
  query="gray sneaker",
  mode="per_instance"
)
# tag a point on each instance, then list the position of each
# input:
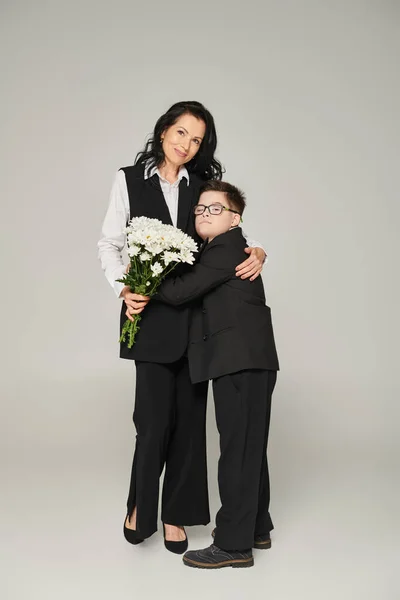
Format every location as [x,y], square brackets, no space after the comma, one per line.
[215,558]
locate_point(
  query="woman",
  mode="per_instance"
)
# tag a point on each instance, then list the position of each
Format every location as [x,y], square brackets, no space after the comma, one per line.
[170,411]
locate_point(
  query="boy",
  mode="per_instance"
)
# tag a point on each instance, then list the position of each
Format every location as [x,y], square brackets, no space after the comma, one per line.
[231,341]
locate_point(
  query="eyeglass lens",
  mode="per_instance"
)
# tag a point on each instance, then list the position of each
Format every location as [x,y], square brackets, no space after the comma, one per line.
[213,209]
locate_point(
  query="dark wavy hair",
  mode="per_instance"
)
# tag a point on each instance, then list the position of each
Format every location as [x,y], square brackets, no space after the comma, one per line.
[204,164]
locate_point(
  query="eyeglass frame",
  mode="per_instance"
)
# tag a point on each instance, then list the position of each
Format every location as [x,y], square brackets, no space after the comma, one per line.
[214,204]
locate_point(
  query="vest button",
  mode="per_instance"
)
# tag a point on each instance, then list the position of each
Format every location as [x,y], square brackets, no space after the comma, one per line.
[204,311]
[205,337]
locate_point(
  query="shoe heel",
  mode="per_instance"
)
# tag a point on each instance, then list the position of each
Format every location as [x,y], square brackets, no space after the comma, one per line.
[131,535]
[243,565]
[262,545]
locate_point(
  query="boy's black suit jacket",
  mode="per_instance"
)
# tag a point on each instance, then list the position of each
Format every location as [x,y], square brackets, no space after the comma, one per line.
[231,326]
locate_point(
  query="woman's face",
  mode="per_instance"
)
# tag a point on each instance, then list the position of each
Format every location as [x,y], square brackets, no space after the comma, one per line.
[182,141]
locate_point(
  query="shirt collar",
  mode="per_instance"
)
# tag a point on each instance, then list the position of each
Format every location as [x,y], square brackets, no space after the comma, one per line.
[183,172]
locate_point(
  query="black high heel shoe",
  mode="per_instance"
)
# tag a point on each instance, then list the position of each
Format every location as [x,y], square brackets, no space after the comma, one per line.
[131,535]
[176,547]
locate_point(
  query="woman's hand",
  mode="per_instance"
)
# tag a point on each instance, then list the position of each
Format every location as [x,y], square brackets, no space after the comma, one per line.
[135,302]
[251,267]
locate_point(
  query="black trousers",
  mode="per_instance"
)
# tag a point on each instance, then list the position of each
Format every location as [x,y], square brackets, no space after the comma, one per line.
[243,408]
[170,421]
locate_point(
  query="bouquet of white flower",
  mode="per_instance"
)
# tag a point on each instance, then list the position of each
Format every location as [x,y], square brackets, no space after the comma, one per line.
[155,250]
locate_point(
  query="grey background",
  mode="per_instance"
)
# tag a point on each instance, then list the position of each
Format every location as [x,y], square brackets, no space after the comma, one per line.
[305,96]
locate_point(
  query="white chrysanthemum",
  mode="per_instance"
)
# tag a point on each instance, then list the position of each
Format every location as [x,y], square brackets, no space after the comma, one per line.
[156,269]
[186,256]
[145,256]
[133,250]
[154,247]
[169,257]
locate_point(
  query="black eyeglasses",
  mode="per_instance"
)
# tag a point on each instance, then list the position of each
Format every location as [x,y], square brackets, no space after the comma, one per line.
[213,209]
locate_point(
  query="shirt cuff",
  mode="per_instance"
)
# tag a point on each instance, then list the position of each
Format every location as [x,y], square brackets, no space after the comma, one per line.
[255,244]
[118,287]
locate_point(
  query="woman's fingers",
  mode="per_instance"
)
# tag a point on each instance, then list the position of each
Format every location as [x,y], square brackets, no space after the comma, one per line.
[248,268]
[128,314]
[252,271]
[136,301]
[135,305]
[127,295]
[138,297]
[133,311]
[252,266]
[255,276]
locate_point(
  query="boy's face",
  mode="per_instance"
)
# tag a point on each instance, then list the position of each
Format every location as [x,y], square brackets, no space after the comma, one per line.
[210,225]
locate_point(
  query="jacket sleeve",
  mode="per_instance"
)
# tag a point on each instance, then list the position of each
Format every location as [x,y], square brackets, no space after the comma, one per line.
[216,265]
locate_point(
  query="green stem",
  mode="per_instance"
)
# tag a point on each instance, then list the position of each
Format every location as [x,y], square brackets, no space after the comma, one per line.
[130,329]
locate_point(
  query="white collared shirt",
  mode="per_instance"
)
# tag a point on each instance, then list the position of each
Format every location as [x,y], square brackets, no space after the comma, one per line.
[113,239]
[170,190]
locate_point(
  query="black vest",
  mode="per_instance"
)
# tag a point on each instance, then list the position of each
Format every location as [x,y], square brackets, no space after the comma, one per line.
[163,335]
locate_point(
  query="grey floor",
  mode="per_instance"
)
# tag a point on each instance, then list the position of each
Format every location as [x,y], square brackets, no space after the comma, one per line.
[62,508]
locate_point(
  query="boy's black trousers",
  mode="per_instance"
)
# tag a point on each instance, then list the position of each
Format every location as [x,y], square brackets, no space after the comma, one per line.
[242,409]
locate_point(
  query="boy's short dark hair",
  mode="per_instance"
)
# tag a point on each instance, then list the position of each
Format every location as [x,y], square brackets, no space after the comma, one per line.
[235,197]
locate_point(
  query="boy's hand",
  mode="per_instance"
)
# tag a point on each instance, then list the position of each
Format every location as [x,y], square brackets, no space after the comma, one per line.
[251,267]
